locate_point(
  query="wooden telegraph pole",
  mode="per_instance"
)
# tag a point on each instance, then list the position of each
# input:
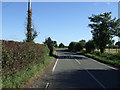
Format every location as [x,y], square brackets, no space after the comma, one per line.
[29,22]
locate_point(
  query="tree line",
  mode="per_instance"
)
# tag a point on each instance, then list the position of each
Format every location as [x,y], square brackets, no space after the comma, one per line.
[103,26]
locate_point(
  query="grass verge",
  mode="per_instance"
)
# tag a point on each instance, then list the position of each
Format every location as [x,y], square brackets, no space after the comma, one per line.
[111,59]
[20,78]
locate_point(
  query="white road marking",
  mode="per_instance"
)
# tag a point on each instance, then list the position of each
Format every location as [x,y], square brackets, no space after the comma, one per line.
[95,79]
[104,64]
[54,65]
[77,61]
[47,85]
[93,76]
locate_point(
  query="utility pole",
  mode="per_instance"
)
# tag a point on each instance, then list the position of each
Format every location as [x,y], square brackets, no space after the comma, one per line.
[29,22]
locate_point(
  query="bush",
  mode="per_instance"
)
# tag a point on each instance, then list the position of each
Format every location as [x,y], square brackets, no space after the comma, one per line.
[78,46]
[18,55]
[71,46]
[51,44]
[90,46]
[61,45]
[109,56]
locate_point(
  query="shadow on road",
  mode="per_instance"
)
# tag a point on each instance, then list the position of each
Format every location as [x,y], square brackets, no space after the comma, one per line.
[81,79]
[71,57]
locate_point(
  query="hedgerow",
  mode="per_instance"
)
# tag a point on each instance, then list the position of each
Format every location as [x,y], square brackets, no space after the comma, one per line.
[17,56]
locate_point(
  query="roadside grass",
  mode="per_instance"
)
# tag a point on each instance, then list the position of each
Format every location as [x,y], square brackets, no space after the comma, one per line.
[60,48]
[108,58]
[112,59]
[20,78]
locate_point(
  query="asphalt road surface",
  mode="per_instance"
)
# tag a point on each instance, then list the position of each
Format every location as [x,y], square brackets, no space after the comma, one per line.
[77,71]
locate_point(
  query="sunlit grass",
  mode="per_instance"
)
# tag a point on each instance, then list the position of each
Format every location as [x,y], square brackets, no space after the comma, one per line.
[113,59]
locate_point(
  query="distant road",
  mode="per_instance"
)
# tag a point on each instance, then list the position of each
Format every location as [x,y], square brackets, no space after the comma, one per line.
[77,71]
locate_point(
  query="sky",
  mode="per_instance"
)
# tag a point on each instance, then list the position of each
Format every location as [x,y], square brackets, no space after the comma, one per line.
[62,21]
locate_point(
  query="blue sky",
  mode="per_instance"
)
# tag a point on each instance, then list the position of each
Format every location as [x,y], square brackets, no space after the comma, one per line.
[62,21]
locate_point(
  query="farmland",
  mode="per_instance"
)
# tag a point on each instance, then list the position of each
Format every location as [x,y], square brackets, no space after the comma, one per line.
[111,50]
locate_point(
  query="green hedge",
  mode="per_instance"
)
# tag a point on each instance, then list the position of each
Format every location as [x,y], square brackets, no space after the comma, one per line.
[18,56]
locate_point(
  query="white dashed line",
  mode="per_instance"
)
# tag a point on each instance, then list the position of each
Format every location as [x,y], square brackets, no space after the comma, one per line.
[47,85]
[54,65]
[77,61]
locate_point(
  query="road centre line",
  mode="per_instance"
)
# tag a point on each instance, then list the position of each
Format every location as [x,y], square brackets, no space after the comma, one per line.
[47,85]
[92,76]
[54,65]
[77,61]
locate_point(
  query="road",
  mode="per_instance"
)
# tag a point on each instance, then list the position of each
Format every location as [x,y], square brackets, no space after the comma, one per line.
[77,71]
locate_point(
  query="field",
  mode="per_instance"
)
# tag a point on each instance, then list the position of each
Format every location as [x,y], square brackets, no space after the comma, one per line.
[111,50]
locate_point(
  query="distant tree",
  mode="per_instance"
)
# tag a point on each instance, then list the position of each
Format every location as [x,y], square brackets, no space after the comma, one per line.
[90,46]
[71,46]
[82,42]
[61,45]
[103,27]
[79,46]
[118,43]
[55,44]
[50,44]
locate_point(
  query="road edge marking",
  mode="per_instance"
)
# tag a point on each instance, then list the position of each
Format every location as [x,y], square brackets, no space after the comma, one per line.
[54,65]
[104,64]
[96,79]
[92,76]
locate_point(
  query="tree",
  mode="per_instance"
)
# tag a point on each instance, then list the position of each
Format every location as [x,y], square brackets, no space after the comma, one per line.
[71,46]
[78,46]
[111,44]
[103,27]
[90,46]
[55,44]
[61,45]
[82,42]
[118,43]
[116,25]
[50,44]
